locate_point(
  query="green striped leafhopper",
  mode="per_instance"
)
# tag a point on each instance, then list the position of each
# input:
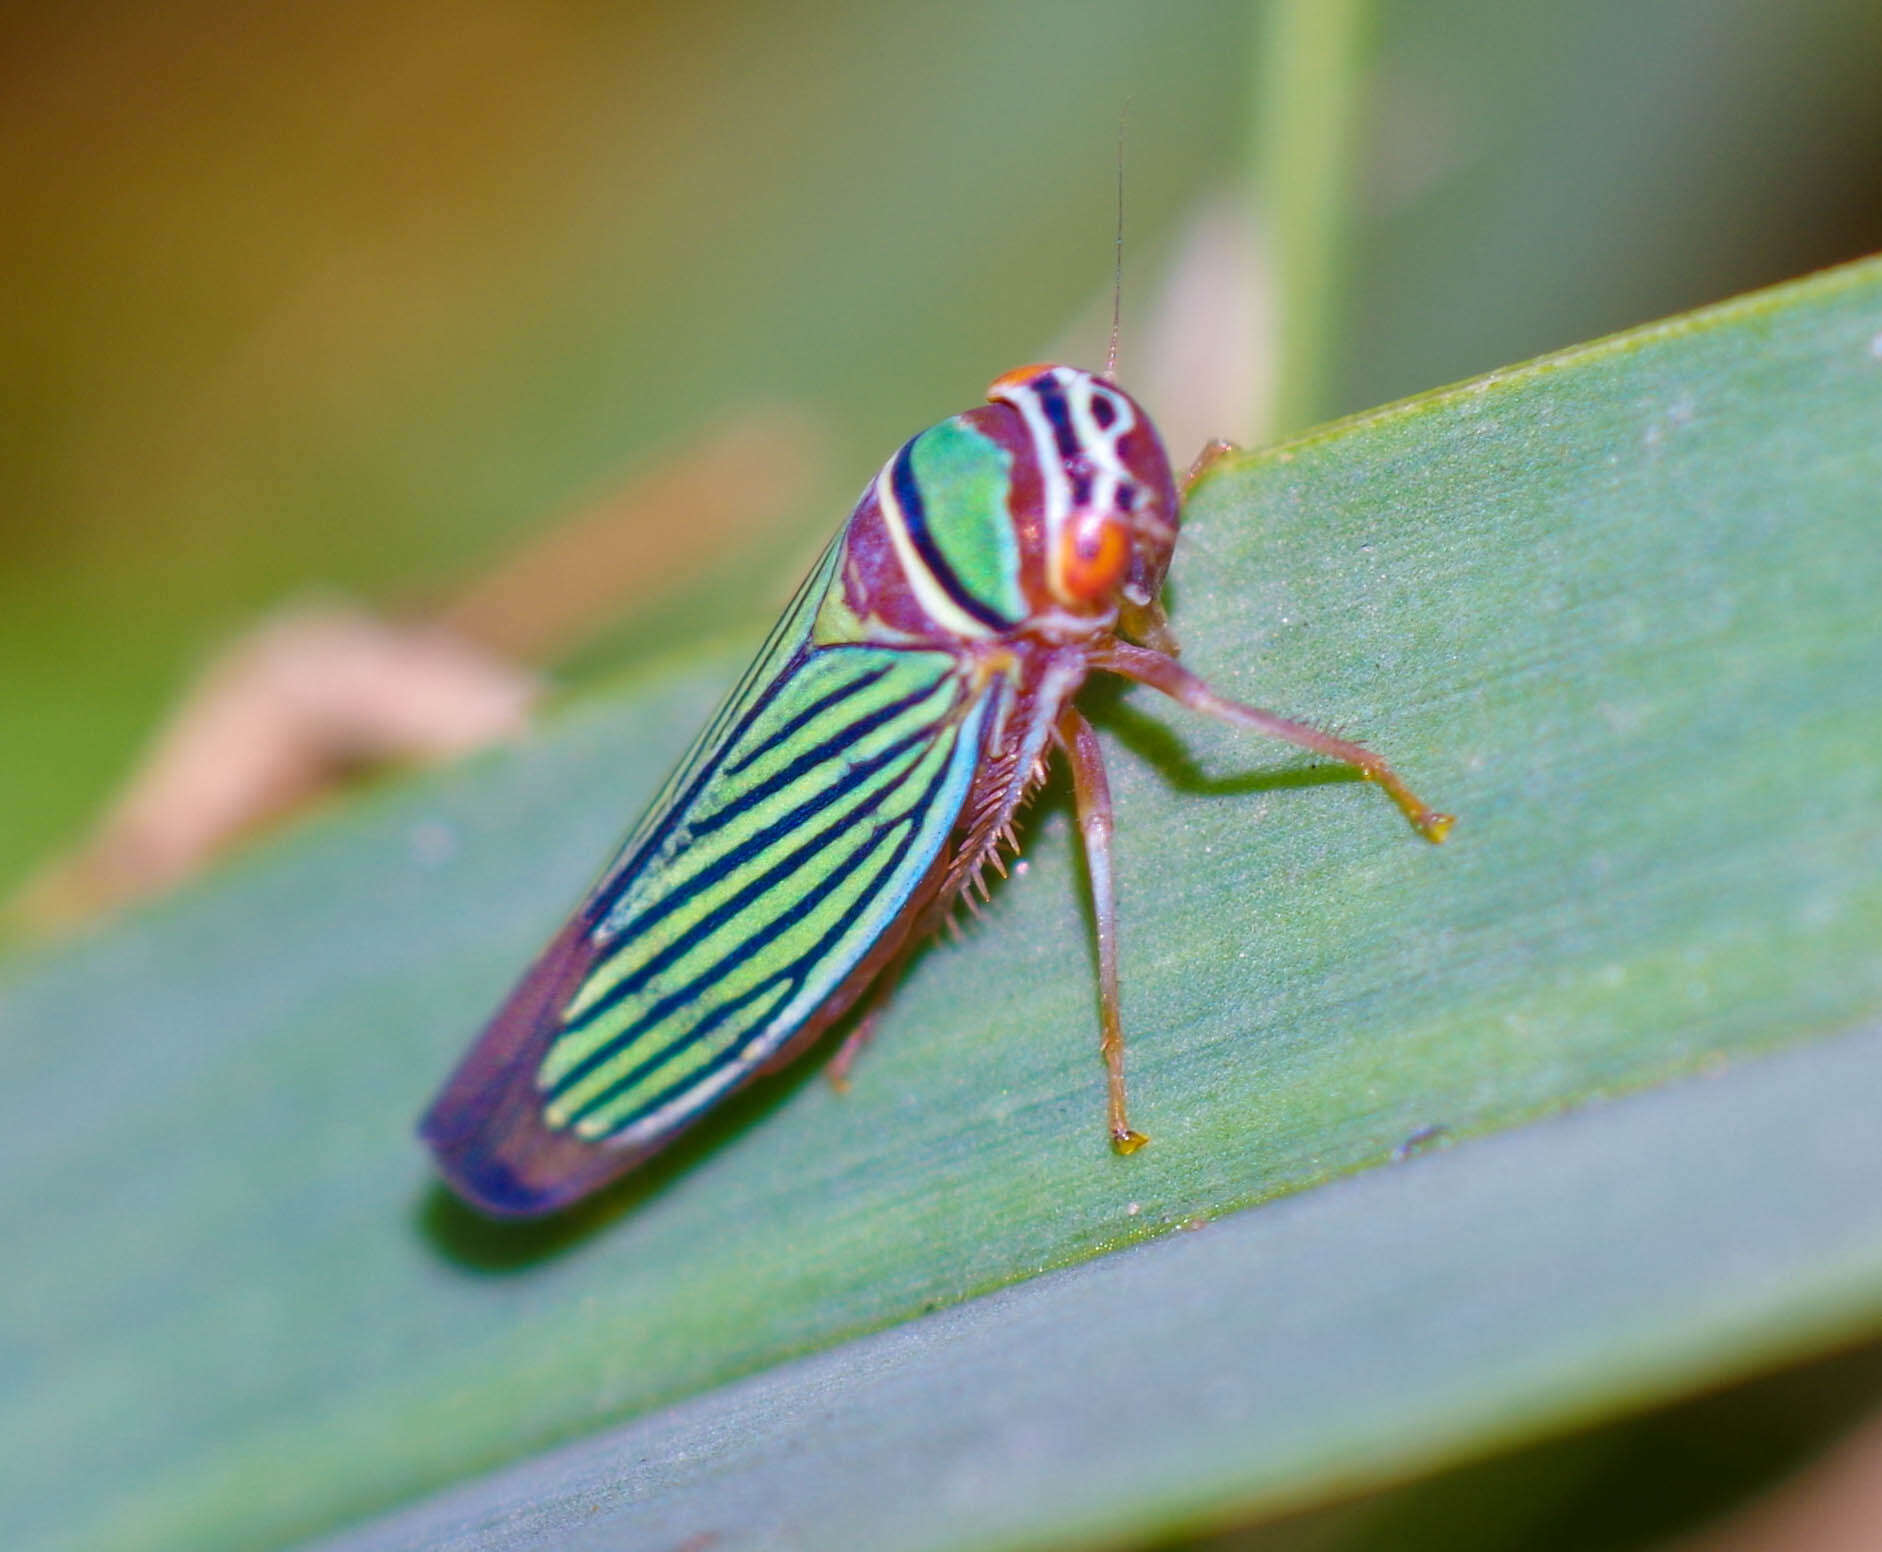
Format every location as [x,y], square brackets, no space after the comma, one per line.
[864,772]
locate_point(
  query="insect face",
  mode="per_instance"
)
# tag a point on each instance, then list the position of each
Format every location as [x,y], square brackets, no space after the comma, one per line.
[1108,500]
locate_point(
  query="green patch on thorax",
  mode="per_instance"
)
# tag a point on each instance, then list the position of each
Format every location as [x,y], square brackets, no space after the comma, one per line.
[964,478]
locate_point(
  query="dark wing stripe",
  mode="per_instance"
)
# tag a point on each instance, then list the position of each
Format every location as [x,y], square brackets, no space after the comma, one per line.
[790,980]
[785,909]
[680,997]
[668,886]
[786,638]
[767,940]
[765,992]
[740,709]
[798,906]
[823,754]
[705,914]
[915,519]
[793,975]
[804,718]
[744,860]
[742,857]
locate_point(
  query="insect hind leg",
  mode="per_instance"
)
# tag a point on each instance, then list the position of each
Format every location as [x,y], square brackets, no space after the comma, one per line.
[1091,793]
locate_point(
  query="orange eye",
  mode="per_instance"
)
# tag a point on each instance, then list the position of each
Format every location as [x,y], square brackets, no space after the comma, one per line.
[1093,554]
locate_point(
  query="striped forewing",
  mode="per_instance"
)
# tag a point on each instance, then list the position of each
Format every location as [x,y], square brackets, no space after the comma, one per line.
[782,855]
[787,642]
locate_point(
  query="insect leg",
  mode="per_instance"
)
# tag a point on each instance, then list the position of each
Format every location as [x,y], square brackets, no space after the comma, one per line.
[1177,682]
[864,1029]
[1092,793]
[1148,624]
[1213,452]
[1143,620]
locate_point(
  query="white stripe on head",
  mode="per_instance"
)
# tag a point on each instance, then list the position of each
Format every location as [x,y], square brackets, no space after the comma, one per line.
[1099,450]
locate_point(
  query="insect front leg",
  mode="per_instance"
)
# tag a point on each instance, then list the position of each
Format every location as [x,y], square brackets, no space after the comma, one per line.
[1163,673]
[1092,794]
[1147,623]
[1143,620]
[1213,452]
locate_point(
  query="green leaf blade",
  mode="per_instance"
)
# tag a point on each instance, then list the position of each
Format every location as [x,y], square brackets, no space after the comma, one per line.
[1273,1358]
[1615,609]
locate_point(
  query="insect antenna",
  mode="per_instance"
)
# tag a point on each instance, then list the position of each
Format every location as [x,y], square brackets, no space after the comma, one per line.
[1117,263]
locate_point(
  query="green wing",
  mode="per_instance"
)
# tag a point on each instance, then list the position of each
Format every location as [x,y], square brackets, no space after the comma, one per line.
[786,643]
[761,883]
[794,835]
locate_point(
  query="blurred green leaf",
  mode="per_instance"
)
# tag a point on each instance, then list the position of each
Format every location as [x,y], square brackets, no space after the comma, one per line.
[1615,608]
[1310,88]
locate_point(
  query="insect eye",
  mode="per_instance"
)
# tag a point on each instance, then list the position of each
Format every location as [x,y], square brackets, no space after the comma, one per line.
[1094,552]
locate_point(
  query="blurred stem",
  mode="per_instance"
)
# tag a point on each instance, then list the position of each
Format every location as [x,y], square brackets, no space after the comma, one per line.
[1309,65]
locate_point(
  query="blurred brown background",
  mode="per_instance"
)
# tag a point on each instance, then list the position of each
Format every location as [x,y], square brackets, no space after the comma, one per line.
[360,296]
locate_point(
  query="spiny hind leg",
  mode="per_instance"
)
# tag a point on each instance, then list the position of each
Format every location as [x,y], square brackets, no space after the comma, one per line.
[1092,795]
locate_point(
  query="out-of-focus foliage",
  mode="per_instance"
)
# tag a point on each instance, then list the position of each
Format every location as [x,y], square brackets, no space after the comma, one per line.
[355,295]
